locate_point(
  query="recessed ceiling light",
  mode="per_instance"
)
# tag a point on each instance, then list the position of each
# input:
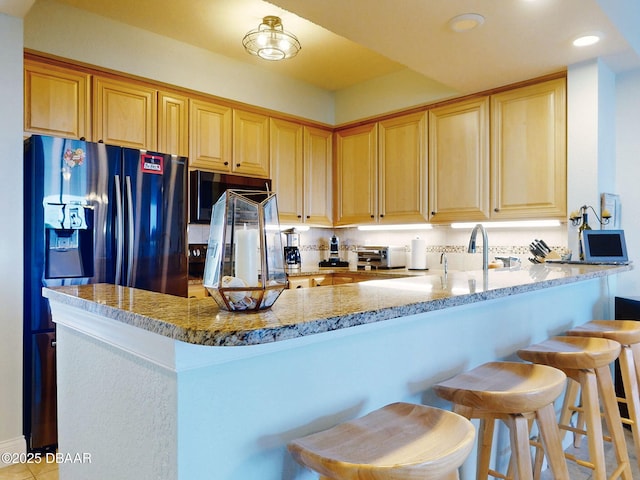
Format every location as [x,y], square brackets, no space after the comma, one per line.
[587,39]
[466,22]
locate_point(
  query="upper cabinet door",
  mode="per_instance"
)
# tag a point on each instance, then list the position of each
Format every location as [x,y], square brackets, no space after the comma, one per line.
[459,161]
[125,114]
[210,136]
[250,144]
[318,177]
[356,175]
[56,101]
[402,182]
[287,169]
[528,153]
[173,124]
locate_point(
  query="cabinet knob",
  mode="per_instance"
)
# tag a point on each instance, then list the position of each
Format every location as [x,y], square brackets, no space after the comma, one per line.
[496,209]
[237,165]
[299,216]
[308,216]
[372,216]
[226,163]
[299,286]
[381,215]
[433,213]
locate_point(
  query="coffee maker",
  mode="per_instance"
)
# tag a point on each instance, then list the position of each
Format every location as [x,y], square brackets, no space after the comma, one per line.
[292,249]
[334,255]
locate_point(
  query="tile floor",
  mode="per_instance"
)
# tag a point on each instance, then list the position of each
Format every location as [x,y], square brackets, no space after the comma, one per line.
[30,471]
[580,473]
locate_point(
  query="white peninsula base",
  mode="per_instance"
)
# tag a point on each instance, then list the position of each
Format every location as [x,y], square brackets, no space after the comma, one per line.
[145,406]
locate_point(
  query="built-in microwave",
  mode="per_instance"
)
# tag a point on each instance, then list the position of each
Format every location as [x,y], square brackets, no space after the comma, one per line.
[205,189]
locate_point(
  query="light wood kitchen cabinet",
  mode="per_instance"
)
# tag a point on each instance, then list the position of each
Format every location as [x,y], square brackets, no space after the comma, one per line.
[356,193]
[459,161]
[381,172]
[173,124]
[318,176]
[299,282]
[402,174]
[321,280]
[287,169]
[341,279]
[125,113]
[210,136]
[56,101]
[250,144]
[528,153]
[301,159]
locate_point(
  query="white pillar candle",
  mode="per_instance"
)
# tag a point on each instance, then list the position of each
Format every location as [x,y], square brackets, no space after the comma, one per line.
[247,256]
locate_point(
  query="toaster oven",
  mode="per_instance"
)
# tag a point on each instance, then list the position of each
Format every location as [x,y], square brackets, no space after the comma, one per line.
[381,257]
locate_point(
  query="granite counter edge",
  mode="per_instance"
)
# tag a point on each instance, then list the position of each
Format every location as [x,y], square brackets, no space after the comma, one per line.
[238,336]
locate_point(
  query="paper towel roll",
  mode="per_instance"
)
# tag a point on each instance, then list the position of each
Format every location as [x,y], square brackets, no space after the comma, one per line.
[418,254]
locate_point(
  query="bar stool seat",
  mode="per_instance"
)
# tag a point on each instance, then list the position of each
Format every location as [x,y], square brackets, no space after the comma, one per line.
[627,333]
[400,441]
[515,393]
[585,361]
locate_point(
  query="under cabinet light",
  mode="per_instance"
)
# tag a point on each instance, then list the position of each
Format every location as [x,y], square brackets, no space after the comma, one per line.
[299,228]
[419,226]
[511,224]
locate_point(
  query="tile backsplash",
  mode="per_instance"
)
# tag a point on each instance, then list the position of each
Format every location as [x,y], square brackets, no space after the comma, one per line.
[314,244]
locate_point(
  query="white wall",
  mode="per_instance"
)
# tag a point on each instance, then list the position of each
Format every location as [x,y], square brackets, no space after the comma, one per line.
[99,41]
[628,171]
[11,439]
[71,33]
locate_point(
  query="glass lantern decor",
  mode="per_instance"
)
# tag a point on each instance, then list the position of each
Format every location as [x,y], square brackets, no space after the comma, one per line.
[244,269]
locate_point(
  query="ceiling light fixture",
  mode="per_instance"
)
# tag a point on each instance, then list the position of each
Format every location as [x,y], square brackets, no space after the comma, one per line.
[466,22]
[270,41]
[587,39]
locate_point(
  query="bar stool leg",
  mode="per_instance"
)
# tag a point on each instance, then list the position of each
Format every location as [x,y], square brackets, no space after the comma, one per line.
[485,440]
[591,405]
[635,351]
[485,431]
[519,433]
[628,371]
[568,408]
[550,437]
[612,417]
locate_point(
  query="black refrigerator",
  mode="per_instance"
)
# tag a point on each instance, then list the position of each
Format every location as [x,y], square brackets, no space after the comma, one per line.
[93,213]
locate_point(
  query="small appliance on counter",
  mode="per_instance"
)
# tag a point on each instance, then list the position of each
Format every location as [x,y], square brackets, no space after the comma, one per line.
[292,256]
[334,255]
[197,254]
[381,257]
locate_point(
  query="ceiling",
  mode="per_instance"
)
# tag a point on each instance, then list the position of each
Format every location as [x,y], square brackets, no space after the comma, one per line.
[346,42]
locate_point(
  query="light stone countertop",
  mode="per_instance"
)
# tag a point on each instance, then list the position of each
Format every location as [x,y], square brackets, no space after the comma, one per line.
[302,312]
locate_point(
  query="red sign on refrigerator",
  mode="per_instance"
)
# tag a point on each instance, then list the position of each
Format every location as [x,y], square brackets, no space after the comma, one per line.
[152,163]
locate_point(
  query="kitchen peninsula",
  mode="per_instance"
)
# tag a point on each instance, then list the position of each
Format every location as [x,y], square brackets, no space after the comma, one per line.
[156,386]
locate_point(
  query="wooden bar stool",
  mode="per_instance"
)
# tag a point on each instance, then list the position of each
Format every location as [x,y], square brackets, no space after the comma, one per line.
[401,441]
[515,393]
[627,333]
[586,360]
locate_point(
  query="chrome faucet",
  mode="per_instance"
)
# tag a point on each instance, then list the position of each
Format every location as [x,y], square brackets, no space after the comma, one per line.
[485,245]
[444,261]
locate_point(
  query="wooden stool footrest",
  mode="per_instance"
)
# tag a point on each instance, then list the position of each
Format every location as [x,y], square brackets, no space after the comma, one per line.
[495,474]
[578,461]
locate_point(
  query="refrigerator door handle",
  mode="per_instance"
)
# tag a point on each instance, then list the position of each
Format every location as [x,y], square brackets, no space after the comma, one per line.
[119,231]
[130,231]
